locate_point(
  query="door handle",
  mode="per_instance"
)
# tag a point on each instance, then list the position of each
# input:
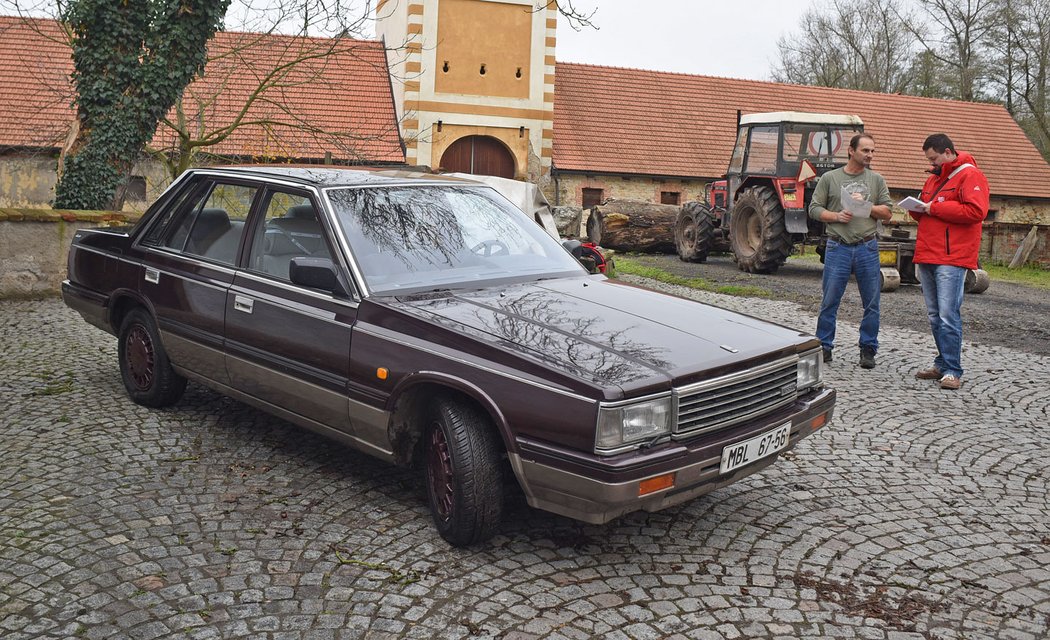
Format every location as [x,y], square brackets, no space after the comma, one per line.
[240,303]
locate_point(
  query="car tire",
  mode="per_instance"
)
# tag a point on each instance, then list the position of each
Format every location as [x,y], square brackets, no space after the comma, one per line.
[144,365]
[463,478]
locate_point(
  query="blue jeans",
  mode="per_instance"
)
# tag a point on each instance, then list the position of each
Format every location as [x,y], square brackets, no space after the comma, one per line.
[942,286]
[840,261]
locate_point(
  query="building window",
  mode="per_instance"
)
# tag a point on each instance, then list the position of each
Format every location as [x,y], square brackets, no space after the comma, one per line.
[136,189]
[670,197]
[592,197]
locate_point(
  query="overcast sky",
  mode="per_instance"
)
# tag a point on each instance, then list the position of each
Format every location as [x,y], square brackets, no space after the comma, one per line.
[728,38]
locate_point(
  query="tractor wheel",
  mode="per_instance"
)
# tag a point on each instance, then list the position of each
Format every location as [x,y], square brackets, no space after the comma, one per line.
[760,240]
[977,281]
[694,232]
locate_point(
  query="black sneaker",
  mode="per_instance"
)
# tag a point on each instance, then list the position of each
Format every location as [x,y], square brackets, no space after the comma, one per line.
[867,358]
[827,355]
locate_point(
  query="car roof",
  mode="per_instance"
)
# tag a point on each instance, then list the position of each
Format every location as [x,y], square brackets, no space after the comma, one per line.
[323,176]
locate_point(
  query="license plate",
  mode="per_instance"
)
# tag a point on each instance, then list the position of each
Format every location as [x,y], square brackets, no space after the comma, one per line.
[743,453]
[888,257]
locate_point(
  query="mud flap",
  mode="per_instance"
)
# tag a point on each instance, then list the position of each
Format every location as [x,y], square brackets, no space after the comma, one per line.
[796,221]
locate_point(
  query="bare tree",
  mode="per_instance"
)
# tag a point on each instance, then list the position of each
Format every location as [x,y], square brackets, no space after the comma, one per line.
[854,44]
[1028,66]
[958,34]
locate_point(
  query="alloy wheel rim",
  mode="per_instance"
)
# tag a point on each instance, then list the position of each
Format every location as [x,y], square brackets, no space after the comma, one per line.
[439,472]
[140,357]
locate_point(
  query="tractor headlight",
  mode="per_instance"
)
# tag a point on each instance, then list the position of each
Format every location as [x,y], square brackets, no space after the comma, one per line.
[625,425]
[810,370]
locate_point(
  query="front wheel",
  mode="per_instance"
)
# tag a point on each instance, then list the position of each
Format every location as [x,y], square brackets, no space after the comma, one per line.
[144,365]
[464,483]
[757,231]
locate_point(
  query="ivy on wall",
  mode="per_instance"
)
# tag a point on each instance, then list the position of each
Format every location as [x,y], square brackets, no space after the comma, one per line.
[132,60]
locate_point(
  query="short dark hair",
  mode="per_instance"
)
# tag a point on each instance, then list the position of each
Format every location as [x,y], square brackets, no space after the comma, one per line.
[939,142]
[855,140]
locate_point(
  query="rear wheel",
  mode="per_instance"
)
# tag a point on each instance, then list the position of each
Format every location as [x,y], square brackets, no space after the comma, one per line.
[144,365]
[464,483]
[759,238]
[694,232]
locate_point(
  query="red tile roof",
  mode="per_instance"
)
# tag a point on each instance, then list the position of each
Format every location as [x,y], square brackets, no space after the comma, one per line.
[338,100]
[630,121]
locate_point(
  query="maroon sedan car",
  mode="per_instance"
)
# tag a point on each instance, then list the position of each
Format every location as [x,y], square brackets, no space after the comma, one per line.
[428,322]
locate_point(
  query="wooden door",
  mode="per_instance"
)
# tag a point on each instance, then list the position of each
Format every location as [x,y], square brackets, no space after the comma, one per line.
[481,155]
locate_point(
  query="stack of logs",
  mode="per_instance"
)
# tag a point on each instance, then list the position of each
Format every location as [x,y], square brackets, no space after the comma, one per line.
[630,225]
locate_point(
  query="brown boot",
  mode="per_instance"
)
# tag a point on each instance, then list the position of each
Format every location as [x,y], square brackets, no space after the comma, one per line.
[928,374]
[950,382]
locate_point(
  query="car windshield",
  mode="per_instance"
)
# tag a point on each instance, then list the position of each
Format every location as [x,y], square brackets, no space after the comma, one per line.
[443,237]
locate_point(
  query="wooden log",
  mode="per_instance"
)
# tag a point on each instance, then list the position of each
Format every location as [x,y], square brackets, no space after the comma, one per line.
[631,225]
[1025,250]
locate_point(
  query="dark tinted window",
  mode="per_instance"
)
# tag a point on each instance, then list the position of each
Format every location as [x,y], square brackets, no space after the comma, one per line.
[162,227]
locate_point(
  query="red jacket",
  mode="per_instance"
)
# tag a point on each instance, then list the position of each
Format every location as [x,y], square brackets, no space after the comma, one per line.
[951,232]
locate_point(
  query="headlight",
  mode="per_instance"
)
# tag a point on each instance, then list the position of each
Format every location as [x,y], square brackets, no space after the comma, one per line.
[621,425]
[810,370]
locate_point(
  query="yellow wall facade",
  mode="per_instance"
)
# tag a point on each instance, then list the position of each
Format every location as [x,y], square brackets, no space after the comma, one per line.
[466,34]
[483,49]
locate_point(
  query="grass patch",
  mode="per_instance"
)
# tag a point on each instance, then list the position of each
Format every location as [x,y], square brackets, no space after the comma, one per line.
[1033,276]
[53,384]
[625,265]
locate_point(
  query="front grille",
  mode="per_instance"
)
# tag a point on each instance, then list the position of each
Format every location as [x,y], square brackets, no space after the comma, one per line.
[736,397]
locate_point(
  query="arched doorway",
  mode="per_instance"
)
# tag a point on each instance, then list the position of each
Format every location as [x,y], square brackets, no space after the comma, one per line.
[481,155]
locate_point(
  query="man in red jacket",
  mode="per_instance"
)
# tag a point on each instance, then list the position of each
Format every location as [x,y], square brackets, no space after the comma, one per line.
[955,203]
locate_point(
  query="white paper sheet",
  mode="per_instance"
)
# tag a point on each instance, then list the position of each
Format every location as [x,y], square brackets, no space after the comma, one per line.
[860,208]
[912,204]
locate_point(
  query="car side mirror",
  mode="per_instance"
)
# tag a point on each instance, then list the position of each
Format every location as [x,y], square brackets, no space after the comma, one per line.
[316,273]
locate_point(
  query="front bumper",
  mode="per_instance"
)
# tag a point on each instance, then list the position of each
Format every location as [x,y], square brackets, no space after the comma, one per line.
[596,491]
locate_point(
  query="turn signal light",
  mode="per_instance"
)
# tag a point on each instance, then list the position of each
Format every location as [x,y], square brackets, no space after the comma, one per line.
[819,421]
[666,481]
[382,373]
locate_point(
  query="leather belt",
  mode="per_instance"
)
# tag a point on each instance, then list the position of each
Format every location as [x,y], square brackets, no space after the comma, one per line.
[865,239]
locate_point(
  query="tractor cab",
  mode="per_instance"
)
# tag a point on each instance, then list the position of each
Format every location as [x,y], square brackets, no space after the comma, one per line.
[760,207]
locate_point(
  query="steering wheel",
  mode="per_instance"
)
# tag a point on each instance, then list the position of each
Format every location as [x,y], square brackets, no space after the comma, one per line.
[488,248]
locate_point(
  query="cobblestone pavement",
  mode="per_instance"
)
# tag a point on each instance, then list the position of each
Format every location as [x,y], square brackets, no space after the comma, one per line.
[918,513]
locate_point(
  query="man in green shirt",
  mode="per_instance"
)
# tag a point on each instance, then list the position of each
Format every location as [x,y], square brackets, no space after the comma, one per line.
[853,245]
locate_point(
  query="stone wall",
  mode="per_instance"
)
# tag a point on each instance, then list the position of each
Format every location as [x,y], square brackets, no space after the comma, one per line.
[34,244]
[27,180]
[567,190]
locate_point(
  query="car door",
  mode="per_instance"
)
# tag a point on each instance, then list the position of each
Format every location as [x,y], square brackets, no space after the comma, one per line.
[191,255]
[288,346]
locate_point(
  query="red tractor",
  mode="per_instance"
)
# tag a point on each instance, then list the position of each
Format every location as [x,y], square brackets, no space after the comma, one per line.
[760,208]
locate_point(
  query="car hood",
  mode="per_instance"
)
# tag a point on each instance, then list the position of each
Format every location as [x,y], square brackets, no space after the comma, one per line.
[606,332]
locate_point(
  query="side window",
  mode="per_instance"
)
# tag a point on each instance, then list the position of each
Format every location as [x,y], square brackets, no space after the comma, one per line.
[213,227]
[290,229]
[163,227]
[762,150]
[736,163]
